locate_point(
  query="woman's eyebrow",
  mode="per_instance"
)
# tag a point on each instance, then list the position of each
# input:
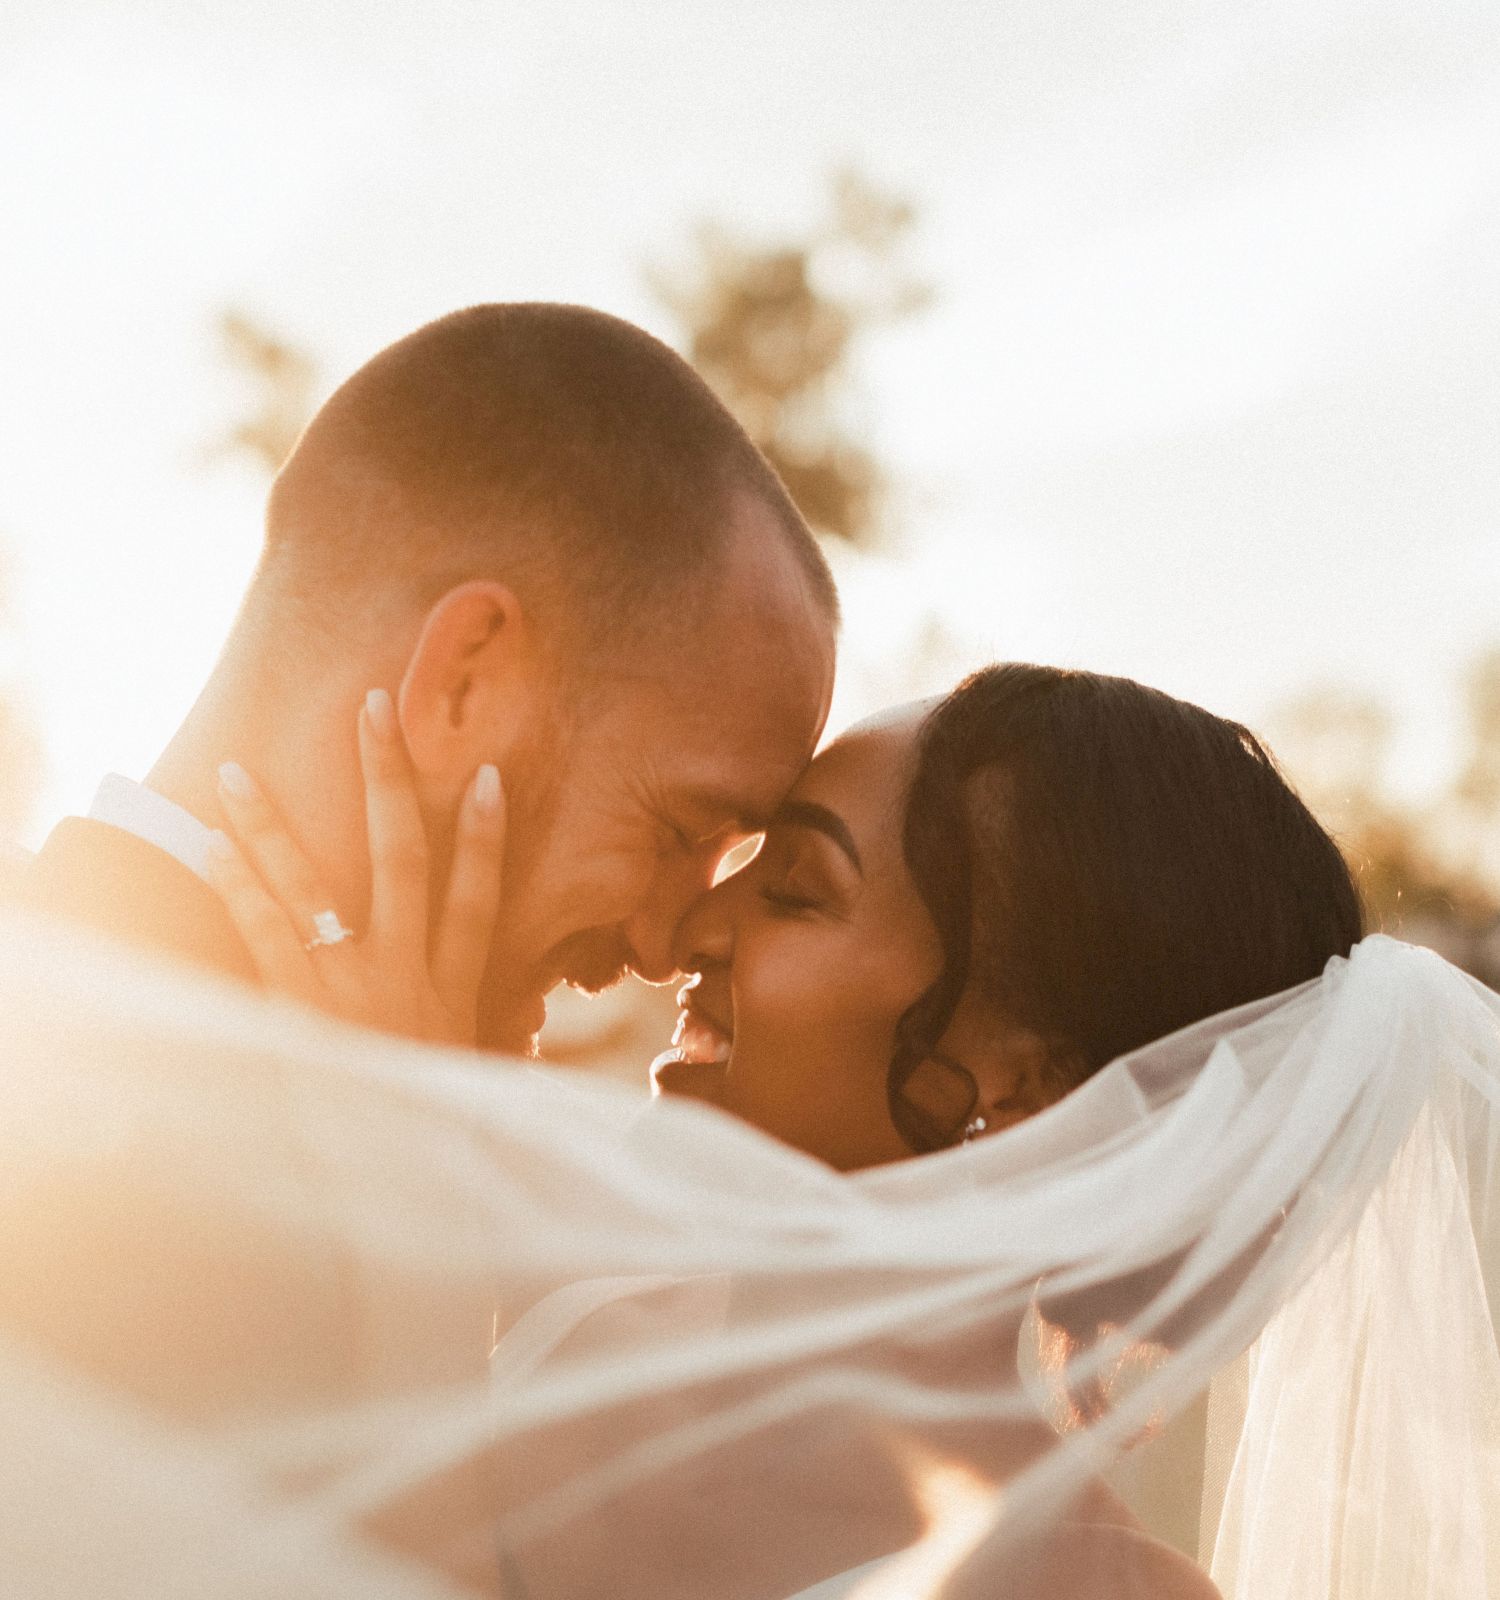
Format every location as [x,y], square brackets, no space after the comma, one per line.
[805,814]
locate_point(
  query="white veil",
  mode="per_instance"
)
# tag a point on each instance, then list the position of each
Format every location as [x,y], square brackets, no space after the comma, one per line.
[290,1309]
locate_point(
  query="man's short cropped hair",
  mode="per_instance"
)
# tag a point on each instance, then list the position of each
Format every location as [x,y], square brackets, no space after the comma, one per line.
[562,451]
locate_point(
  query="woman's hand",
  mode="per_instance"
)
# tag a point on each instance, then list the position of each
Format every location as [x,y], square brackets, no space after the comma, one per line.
[410,972]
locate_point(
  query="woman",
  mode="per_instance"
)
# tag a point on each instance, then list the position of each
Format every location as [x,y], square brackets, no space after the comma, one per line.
[960,914]
[992,898]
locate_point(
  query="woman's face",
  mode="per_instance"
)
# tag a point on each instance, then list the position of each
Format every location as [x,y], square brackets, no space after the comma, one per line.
[808,958]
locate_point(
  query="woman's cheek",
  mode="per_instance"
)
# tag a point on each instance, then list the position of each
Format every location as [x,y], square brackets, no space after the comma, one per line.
[791,1002]
[781,989]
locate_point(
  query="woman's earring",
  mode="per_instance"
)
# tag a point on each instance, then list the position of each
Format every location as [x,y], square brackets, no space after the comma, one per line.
[976,1126]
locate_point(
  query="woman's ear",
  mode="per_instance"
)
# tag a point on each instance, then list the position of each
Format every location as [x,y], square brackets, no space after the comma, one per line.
[1016,1070]
[1019,1079]
[469,689]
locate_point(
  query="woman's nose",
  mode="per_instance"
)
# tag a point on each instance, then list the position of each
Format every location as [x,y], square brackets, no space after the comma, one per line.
[705,936]
[653,930]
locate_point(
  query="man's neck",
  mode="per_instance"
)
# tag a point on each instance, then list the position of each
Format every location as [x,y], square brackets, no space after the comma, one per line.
[304,756]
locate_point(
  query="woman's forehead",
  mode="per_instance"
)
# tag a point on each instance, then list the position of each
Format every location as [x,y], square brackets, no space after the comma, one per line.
[867,770]
[903,719]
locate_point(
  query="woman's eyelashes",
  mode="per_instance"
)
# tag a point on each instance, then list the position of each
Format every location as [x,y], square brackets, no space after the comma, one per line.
[795,889]
[788,902]
[792,879]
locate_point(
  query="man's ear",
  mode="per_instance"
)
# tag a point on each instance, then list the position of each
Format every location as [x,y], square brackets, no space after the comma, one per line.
[469,688]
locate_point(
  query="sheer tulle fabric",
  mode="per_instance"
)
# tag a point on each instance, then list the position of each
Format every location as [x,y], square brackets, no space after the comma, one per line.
[321,1313]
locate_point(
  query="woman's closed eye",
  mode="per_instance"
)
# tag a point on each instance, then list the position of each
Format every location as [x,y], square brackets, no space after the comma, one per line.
[800,874]
[793,881]
[789,902]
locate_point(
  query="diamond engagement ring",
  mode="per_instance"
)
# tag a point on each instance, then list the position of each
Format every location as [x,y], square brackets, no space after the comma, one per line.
[329,930]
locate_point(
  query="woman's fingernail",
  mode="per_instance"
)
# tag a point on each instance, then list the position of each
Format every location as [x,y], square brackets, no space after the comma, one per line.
[487,787]
[236,781]
[381,711]
[219,847]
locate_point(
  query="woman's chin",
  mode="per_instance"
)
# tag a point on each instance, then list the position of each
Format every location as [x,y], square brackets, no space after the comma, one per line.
[690,1080]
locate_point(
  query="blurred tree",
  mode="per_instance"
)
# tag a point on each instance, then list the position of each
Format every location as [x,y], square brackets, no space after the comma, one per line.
[282,381]
[1426,873]
[1470,817]
[773,329]
[1336,744]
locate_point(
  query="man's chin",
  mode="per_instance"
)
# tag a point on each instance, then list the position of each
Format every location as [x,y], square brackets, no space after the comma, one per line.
[597,982]
[512,1017]
[590,962]
[513,1030]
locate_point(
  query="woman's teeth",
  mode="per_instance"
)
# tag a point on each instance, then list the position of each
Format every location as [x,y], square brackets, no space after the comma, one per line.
[699,1042]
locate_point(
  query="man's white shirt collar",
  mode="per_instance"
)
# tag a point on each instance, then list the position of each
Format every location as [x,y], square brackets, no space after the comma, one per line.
[136,809]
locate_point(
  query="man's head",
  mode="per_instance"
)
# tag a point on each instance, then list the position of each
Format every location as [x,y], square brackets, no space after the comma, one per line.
[540,529]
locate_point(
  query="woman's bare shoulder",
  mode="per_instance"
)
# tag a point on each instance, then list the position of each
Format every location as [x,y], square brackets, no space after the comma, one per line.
[1109,1561]
[1141,1566]
[1105,1553]
[1084,1560]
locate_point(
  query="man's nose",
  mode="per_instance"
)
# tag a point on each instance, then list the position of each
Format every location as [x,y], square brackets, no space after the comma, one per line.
[656,931]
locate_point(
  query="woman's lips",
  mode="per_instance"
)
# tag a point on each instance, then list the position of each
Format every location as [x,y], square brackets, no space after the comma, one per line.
[699,1039]
[699,1054]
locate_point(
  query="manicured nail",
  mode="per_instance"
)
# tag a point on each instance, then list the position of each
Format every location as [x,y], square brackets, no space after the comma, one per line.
[487,788]
[236,781]
[219,847]
[381,711]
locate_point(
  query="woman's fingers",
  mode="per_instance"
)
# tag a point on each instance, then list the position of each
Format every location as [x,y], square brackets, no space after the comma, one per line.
[275,944]
[473,901]
[275,855]
[397,976]
[398,840]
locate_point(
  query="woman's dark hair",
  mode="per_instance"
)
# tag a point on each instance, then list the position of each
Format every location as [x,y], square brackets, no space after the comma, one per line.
[1105,865]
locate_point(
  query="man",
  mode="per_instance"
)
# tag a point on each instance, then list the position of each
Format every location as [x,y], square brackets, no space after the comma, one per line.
[537,532]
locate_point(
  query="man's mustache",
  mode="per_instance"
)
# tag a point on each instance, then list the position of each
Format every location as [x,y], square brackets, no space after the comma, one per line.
[592,960]
[595,959]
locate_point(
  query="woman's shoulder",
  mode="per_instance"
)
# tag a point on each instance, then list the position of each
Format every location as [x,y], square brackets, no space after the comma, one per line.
[1098,1552]
[1084,1561]
[1102,1552]
[1122,1562]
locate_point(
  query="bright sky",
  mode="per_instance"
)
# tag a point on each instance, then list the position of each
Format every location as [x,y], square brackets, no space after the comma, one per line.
[1210,394]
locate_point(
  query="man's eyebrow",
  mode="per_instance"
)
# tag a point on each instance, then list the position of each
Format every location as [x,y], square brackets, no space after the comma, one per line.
[805,814]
